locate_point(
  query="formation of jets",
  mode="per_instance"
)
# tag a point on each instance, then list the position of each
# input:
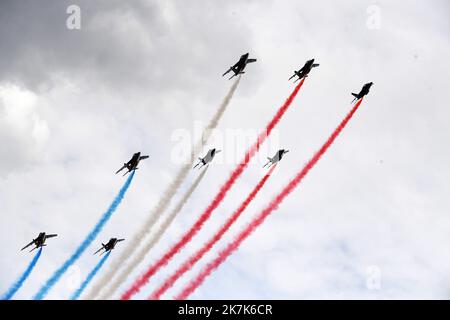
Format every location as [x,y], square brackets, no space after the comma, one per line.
[132,164]
[238,68]
[109,245]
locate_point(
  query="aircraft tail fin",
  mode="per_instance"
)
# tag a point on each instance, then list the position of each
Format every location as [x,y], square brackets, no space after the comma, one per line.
[355,95]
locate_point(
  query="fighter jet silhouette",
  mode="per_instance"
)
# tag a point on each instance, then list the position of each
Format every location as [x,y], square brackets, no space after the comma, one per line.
[364,91]
[238,67]
[39,241]
[305,70]
[109,245]
[133,163]
[208,158]
[277,157]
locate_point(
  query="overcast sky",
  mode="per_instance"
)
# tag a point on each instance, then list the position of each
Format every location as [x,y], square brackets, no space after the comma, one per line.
[75,104]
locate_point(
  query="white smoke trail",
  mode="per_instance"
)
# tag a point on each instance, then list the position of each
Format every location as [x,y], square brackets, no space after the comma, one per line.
[122,277]
[163,203]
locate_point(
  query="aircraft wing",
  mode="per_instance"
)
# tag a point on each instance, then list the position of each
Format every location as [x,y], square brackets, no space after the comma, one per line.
[315,65]
[201,161]
[32,242]
[143,157]
[98,250]
[236,67]
[251,60]
[227,71]
[124,166]
[50,235]
[269,163]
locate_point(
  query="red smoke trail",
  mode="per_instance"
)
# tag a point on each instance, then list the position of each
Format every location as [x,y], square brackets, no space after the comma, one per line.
[143,279]
[234,245]
[188,264]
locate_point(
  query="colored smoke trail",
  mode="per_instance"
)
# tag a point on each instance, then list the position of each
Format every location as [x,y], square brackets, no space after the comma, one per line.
[16,285]
[189,263]
[234,245]
[86,242]
[164,201]
[122,277]
[90,276]
[142,280]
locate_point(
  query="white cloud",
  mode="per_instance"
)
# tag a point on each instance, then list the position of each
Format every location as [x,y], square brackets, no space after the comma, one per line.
[23,131]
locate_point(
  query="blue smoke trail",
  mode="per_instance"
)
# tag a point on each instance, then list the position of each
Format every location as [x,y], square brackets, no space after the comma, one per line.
[16,285]
[90,276]
[83,246]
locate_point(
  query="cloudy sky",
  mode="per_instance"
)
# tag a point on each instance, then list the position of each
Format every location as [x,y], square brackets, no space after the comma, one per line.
[370,221]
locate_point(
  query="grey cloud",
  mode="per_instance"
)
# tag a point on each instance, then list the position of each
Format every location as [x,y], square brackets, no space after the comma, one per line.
[154,45]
